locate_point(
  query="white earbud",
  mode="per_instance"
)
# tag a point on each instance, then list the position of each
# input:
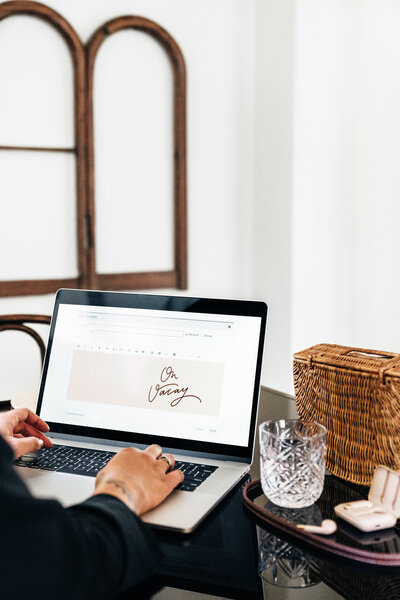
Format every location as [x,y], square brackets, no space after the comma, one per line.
[326,528]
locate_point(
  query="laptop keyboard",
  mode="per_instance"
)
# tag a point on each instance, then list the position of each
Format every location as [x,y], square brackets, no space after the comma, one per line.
[66,459]
[86,461]
[194,473]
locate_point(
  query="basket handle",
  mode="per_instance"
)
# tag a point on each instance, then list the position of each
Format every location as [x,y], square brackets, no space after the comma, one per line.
[372,353]
[392,357]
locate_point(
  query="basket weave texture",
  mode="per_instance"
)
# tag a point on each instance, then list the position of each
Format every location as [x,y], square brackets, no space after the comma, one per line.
[355,393]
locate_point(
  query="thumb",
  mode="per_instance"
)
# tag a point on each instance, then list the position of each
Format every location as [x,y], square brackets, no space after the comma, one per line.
[174,478]
[24,445]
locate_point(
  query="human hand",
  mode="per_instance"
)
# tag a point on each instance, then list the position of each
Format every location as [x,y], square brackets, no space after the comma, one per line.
[138,478]
[22,430]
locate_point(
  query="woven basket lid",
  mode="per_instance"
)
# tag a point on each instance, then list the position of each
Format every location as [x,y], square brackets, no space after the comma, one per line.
[382,364]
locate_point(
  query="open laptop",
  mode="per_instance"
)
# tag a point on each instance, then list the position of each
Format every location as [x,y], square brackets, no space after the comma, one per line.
[125,369]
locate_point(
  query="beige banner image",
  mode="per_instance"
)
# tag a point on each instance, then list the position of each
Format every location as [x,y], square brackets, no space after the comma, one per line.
[154,383]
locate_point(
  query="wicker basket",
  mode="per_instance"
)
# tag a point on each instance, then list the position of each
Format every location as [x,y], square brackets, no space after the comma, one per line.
[355,393]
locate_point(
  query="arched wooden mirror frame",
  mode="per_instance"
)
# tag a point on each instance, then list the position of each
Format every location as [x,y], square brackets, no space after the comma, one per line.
[35,9]
[177,277]
[83,58]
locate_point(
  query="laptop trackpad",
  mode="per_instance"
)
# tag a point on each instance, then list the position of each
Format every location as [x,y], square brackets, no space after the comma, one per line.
[63,487]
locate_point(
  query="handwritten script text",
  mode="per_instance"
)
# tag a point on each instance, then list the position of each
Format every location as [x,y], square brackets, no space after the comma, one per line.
[169,387]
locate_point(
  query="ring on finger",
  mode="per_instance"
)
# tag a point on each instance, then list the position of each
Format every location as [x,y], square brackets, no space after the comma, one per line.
[167,460]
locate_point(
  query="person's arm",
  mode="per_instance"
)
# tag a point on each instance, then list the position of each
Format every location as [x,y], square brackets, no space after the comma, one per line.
[96,549]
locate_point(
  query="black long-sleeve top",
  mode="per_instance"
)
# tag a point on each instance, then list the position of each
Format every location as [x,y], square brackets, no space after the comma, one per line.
[96,549]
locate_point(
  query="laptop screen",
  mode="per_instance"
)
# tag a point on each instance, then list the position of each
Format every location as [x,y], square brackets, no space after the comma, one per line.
[153,368]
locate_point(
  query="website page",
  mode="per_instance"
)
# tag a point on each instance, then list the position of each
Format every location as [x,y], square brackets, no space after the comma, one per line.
[175,374]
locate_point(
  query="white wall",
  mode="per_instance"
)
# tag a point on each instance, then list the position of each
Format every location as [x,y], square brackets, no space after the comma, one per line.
[217,40]
[325,93]
[293,151]
[327,180]
[273,182]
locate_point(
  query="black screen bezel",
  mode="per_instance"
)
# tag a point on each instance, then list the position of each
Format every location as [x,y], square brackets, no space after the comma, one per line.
[170,303]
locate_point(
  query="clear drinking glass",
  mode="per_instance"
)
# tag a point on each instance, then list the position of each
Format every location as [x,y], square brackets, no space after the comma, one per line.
[292,455]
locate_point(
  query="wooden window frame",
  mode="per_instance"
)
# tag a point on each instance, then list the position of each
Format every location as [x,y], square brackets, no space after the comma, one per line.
[83,60]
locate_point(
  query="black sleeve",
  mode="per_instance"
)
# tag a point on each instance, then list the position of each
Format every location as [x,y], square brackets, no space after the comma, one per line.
[96,549]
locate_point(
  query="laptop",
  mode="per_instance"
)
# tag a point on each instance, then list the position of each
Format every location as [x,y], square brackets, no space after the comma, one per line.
[126,369]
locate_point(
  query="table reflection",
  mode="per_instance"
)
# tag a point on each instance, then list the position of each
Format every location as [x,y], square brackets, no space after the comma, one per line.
[283,564]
